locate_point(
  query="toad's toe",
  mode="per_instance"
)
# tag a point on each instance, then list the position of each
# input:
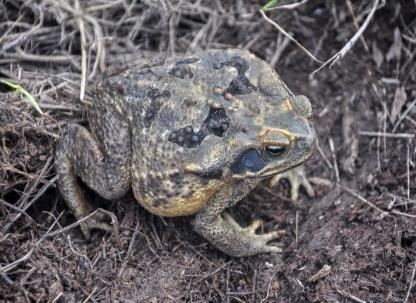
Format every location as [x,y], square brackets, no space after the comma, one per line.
[93,223]
[296,178]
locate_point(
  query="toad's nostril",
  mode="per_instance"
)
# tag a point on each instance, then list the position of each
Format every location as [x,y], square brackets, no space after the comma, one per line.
[304,144]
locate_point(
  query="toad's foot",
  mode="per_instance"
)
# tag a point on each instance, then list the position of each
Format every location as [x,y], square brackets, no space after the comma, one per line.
[251,229]
[296,178]
[94,222]
[250,232]
[227,235]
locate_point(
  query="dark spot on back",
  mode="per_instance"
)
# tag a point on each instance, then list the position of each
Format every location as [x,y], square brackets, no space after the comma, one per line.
[240,85]
[157,97]
[186,61]
[185,136]
[180,70]
[217,122]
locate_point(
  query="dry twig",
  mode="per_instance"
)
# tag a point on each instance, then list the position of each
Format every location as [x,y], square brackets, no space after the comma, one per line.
[386,135]
[361,198]
[347,47]
[411,284]
[280,29]
[350,296]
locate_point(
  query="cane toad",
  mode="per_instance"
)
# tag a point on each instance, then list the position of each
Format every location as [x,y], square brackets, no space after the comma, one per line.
[191,136]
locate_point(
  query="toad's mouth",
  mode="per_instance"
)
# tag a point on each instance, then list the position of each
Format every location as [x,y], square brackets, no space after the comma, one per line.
[264,174]
[273,172]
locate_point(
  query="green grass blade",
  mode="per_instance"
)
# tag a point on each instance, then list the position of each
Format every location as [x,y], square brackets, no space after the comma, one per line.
[269,5]
[21,90]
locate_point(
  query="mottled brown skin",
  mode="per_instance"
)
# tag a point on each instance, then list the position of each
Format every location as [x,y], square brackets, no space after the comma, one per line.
[191,136]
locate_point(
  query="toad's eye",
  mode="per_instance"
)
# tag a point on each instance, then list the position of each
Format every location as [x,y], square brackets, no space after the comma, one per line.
[274,151]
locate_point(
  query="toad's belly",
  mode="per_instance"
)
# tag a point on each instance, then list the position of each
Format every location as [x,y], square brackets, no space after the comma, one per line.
[161,197]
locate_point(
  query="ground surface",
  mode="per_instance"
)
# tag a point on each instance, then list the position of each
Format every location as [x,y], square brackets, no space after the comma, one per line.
[355,241]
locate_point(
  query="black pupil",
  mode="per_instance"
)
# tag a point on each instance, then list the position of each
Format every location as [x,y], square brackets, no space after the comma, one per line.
[275,150]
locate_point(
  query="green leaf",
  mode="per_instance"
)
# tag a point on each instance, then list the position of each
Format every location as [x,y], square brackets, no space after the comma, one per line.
[269,5]
[20,89]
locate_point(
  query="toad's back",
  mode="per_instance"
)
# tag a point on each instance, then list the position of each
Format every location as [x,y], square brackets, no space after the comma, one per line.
[184,117]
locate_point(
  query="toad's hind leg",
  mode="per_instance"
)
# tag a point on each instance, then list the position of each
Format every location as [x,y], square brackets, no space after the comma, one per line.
[79,154]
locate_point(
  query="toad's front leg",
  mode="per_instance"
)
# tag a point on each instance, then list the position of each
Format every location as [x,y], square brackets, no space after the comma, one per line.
[296,177]
[222,231]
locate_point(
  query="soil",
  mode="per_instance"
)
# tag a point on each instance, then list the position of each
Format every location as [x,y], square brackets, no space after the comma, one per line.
[354,241]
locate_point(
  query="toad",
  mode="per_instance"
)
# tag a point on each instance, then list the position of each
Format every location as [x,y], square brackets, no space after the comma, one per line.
[190,136]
